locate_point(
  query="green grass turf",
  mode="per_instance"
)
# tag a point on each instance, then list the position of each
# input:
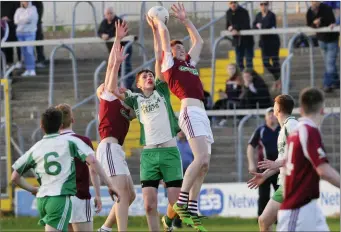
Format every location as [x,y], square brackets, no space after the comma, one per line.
[140,224]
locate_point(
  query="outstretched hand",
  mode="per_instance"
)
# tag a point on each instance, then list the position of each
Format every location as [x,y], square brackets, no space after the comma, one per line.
[256,180]
[119,56]
[151,23]
[121,29]
[179,11]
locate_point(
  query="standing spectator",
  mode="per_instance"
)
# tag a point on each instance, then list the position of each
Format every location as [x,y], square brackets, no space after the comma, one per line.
[269,44]
[335,5]
[255,91]
[26,18]
[321,15]
[187,158]
[107,31]
[40,34]
[264,139]
[8,9]
[237,18]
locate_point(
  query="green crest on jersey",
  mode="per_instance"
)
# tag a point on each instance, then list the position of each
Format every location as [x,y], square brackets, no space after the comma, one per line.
[194,71]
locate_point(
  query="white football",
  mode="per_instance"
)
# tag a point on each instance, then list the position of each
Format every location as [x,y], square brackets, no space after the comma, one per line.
[160,13]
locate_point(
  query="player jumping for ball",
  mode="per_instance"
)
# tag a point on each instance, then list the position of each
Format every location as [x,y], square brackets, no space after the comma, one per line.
[178,69]
[82,212]
[114,121]
[52,159]
[160,158]
[306,163]
[284,105]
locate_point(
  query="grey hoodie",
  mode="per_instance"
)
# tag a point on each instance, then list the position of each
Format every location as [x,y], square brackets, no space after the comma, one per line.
[26,19]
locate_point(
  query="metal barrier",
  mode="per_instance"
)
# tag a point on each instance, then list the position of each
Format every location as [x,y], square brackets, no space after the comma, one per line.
[311,59]
[284,71]
[128,45]
[240,150]
[142,23]
[3,63]
[74,17]
[74,71]
[333,130]
[96,84]
[19,134]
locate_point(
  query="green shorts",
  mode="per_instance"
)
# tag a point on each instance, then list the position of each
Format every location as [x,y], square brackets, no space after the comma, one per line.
[161,164]
[278,195]
[55,211]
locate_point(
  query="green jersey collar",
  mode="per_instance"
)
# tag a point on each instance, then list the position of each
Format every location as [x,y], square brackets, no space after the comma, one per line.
[50,136]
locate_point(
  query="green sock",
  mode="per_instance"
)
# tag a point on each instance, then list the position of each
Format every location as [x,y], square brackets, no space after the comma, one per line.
[168,221]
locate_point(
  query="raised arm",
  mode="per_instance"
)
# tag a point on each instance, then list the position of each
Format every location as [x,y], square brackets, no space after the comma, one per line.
[113,66]
[157,48]
[197,42]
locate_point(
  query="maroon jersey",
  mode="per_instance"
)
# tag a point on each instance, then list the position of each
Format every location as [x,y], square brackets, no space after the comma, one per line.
[113,118]
[182,77]
[304,153]
[82,169]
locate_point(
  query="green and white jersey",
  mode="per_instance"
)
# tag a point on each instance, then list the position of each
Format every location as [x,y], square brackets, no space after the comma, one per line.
[288,126]
[158,123]
[52,159]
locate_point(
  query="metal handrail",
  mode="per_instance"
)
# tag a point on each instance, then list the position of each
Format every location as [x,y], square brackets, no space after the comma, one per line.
[9,71]
[96,83]
[74,71]
[19,134]
[74,17]
[6,32]
[284,70]
[311,59]
[3,63]
[332,127]
[128,45]
[240,153]
[88,128]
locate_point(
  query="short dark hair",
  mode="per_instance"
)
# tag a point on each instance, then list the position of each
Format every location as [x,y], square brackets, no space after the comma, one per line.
[51,120]
[286,103]
[143,71]
[175,42]
[311,100]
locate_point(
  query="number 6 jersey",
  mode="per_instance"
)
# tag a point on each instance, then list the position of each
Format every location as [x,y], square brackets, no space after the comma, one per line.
[52,159]
[304,153]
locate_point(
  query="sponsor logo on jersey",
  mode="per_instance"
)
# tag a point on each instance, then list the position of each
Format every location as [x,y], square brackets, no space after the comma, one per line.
[194,71]
[150,105]
[211,201]
[321,153]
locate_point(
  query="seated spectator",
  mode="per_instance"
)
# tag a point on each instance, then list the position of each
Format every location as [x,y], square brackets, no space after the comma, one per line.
[229,99]
[237,18]
[269,44]
[26,18]
[255,92]
[106,31]
[321,15]
[207,100]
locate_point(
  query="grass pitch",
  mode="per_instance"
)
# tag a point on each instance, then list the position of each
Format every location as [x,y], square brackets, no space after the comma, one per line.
[140,224]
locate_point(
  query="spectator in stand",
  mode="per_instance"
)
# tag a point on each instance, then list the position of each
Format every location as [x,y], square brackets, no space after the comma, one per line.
[255,93]
[207,101]
[264,139]
[107,31]
[269,44]
[321,15]
[230,99]
[237,18]
[335,5]
[26,18]
[8,9]
[40,34]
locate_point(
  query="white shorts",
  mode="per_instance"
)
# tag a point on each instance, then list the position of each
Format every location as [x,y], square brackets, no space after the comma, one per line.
[112,159]
[82,210]
[307,218]
[194,122]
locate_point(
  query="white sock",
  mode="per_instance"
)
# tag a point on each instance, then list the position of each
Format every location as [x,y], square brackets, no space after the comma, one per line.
[106,228]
